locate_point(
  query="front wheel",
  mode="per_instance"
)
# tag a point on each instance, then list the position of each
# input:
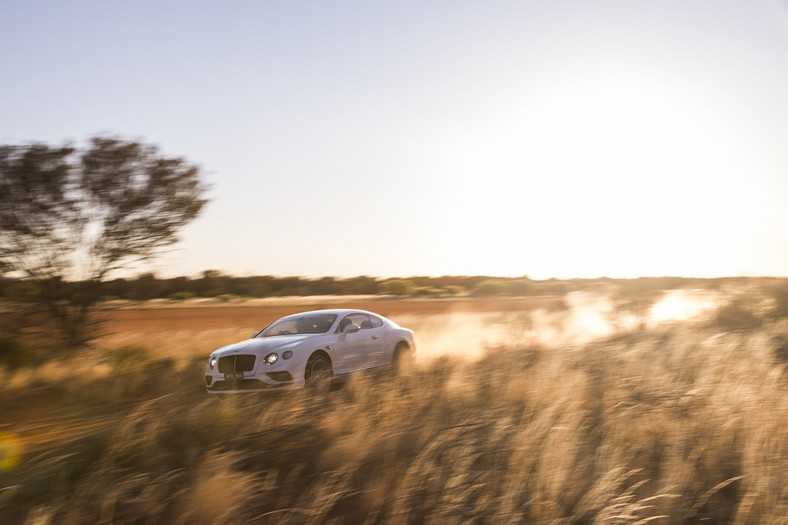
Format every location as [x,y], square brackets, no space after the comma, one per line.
[318,375]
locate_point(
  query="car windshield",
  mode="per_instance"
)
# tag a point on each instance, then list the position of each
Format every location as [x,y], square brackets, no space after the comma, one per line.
[302,324]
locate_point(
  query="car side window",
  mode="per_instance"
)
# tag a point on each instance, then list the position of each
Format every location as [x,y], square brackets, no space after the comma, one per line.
[375,322]
[360,320]
[349,319]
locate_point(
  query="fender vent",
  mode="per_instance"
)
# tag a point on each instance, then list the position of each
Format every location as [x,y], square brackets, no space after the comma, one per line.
[280,376]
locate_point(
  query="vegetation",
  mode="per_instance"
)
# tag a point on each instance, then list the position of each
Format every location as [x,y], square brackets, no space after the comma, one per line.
[212,283]
[69,217]
[678,423]
[488,287]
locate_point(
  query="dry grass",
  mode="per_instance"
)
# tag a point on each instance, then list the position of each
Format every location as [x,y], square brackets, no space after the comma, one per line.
[681,423]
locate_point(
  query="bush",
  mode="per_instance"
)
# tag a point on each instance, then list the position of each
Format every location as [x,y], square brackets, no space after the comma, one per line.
[181,296]
[427,291]
[780,295]
[15,354]
[553,288]
[488,287]
[398,287]
[781,348]
[521,287]
[739,314]
[454,289]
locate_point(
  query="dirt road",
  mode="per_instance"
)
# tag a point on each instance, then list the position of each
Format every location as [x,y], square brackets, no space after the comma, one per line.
[255,317]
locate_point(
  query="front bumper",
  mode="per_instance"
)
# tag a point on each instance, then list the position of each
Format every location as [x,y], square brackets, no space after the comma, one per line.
[216,383]
[247,372]
[243,385]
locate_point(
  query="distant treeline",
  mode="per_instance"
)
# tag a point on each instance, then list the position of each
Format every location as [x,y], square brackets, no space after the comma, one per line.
[213,283]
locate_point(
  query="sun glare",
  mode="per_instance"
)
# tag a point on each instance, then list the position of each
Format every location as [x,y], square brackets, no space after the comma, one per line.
[604,169]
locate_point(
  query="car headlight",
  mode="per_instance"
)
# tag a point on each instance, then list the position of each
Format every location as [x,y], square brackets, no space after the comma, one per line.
[288,354]
[212,361]
[271,359]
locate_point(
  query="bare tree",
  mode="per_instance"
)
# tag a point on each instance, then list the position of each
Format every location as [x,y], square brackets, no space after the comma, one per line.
[70,216]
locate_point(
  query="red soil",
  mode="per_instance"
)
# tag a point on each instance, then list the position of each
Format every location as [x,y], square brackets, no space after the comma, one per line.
[257,317]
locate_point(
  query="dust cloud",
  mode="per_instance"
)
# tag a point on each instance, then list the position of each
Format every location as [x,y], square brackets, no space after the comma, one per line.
[684,304]
[581,317]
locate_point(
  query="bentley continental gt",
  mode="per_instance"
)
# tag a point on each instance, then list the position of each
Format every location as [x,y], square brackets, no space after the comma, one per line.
[309,349]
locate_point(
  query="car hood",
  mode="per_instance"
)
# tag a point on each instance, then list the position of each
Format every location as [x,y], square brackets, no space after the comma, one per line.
[264,345]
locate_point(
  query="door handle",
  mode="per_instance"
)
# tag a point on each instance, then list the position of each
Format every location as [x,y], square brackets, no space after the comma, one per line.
[374,337]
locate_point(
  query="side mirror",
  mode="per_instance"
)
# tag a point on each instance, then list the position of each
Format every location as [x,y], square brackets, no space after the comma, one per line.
[351,329]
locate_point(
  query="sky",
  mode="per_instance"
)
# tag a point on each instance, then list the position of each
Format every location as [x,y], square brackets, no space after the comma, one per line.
[549,139]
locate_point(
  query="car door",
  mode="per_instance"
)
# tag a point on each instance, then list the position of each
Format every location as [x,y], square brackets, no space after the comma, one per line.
[377,354]
[357,350]
[347,348]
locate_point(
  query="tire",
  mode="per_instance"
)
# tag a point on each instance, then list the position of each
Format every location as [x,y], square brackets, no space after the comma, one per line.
[318,375]
[402,359]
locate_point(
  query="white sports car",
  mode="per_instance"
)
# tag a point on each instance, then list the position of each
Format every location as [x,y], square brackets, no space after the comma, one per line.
[309,350]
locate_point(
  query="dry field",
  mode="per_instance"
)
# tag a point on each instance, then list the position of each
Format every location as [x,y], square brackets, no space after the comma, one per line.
[534,410]
[255,314]
[182,331]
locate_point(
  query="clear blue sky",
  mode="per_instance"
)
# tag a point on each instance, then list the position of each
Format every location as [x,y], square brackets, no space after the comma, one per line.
[547,138]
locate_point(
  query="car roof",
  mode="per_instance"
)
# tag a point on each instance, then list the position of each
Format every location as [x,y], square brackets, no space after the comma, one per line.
[337,311]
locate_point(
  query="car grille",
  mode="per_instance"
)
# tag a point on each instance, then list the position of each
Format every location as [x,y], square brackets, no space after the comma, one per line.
[236,363]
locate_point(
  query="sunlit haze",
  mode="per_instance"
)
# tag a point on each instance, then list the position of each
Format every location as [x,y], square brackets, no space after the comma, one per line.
[549,139]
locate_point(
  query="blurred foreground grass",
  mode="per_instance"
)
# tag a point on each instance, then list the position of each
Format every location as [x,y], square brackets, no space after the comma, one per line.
[677,423]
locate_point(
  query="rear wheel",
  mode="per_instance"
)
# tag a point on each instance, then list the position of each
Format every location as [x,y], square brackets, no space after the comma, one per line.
[318,375]
[402,359]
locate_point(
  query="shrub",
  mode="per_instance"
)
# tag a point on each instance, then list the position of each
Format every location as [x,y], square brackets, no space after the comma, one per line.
[455,289]
[779,294]
[521,287]
[739,314]
[426,291]
[488,287]
[181,296]
[781,348]
[398,287]
[15,354]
